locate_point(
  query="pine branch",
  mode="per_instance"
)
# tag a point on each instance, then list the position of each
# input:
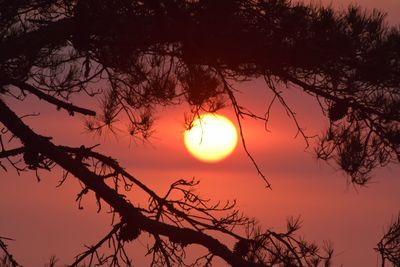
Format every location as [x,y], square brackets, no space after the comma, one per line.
[110,196]
[28,43]
[12,152]
[71,108]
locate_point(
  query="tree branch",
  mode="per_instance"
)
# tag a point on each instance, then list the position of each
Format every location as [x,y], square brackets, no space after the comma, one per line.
[29,43]
[71,108]
[115,200]
[8,255]
[93,249]
[12,152]
[311,89]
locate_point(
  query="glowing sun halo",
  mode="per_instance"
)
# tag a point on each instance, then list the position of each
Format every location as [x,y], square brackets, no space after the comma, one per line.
[211,138]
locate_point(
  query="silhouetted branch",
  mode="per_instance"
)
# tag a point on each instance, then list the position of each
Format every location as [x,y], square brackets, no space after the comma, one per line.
[12,152]
[71,108]
[30,42]
[239,114]
[350,101]
[289,111]
[92,249]
[162,205]
[389,245]
[8,257]
[120,205]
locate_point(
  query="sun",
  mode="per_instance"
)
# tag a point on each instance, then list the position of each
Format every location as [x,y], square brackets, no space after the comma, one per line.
[211,138]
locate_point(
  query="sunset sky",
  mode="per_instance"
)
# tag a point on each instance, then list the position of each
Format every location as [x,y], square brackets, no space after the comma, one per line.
[45,220]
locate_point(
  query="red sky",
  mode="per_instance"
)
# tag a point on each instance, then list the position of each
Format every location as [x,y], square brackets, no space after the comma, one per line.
[353,219]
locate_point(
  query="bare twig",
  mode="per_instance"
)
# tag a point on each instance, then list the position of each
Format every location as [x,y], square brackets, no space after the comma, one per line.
[94,248]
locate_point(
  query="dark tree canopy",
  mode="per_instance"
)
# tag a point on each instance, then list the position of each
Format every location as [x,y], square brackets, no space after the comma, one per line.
[150,53]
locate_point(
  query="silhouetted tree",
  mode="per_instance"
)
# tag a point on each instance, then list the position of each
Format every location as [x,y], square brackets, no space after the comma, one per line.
[149,53]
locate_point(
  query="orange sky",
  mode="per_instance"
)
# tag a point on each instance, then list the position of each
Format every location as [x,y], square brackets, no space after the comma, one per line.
[330,209]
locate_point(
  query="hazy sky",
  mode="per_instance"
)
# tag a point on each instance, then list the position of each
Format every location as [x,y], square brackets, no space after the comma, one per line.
[353,219]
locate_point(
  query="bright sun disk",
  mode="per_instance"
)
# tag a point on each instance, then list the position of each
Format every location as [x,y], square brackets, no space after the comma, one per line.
[212,137]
